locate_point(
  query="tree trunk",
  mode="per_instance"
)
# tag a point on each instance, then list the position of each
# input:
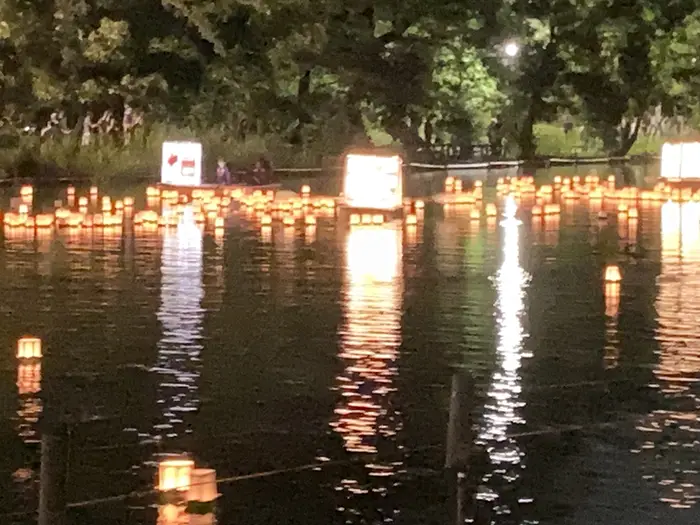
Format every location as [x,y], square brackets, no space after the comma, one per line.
[303,117]
[526,136]
[627,138]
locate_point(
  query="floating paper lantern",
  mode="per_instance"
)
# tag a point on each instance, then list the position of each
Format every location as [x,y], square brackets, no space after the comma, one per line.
[29,348]
[175,474]
[203,486]
[372,181]
[612,274]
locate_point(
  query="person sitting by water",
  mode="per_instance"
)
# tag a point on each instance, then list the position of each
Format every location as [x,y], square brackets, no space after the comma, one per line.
[223,174]
[262,173]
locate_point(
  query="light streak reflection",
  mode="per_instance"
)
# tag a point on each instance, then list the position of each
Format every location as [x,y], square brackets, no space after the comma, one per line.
[370,341]
[503,404]
[669,439]
[181,315]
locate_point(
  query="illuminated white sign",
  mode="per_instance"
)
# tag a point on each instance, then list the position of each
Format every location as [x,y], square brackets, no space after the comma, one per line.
[181,164]
[680,161]
[373,182]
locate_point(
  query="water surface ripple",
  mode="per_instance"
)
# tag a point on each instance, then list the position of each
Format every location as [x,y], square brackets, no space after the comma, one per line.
[256,350]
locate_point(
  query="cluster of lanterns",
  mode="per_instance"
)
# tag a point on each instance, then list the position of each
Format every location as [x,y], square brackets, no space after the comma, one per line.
[187,494]
[106,213]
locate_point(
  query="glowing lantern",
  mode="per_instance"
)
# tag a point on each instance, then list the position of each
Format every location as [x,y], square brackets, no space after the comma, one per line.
[266,220]
[612,274]
[536,210]
[175,474]
[128,202]
[475,214]
[354,218]
[44,220]
[310,220]
[82,202]
[23,209]
[680,161]
[29,348]
[305,190]
[288,221]
[119,205]
[411,220]
[181,164]
[26,191]
[106,204]
[458,186]
[632,213]
[377,219]
[219,222]
[373,182]
[552,209]
[491,210]
[93,191]
[420,204]
[70,191]
[203,486]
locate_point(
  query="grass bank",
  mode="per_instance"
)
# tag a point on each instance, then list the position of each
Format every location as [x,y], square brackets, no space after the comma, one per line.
[108,162]
[553,142]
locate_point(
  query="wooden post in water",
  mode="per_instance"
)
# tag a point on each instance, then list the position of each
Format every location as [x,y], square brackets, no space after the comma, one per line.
[459,429]
[54,470]
[459,443]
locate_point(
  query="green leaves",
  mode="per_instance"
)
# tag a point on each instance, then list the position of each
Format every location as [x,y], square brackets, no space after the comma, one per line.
[106,43]
[304,70]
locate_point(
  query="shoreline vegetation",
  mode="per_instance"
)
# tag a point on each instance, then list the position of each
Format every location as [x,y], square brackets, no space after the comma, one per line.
[301,82]
[63,158]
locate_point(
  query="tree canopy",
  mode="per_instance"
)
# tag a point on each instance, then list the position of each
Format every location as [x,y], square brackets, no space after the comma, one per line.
[308,71]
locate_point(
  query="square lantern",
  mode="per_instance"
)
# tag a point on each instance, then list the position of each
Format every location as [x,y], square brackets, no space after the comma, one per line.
[175,474]
[680,161]
[203,486]
[181,164]
[373,181]
[29,348]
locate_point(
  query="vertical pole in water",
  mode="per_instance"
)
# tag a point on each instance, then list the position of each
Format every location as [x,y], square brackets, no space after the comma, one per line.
[459,443]
[54,469]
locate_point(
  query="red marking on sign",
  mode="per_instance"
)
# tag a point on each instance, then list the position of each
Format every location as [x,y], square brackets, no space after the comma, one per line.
[172,160]
[188,164]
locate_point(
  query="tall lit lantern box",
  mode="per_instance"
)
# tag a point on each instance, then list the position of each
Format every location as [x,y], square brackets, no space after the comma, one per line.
[372,184]
[181,165]
[680,164]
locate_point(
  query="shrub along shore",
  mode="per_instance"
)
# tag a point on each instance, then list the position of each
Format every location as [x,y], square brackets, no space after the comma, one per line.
[108,162]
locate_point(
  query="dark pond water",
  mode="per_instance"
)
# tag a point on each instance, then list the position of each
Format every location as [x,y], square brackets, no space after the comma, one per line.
[335,349]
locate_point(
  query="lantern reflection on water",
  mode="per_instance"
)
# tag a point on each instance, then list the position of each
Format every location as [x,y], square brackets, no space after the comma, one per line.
[370,342]
[28,388]
[503,404]
[669,435]
[180,315]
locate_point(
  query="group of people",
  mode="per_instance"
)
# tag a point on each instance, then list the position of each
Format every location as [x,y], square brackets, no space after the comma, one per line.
[107,125]
[260,175]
